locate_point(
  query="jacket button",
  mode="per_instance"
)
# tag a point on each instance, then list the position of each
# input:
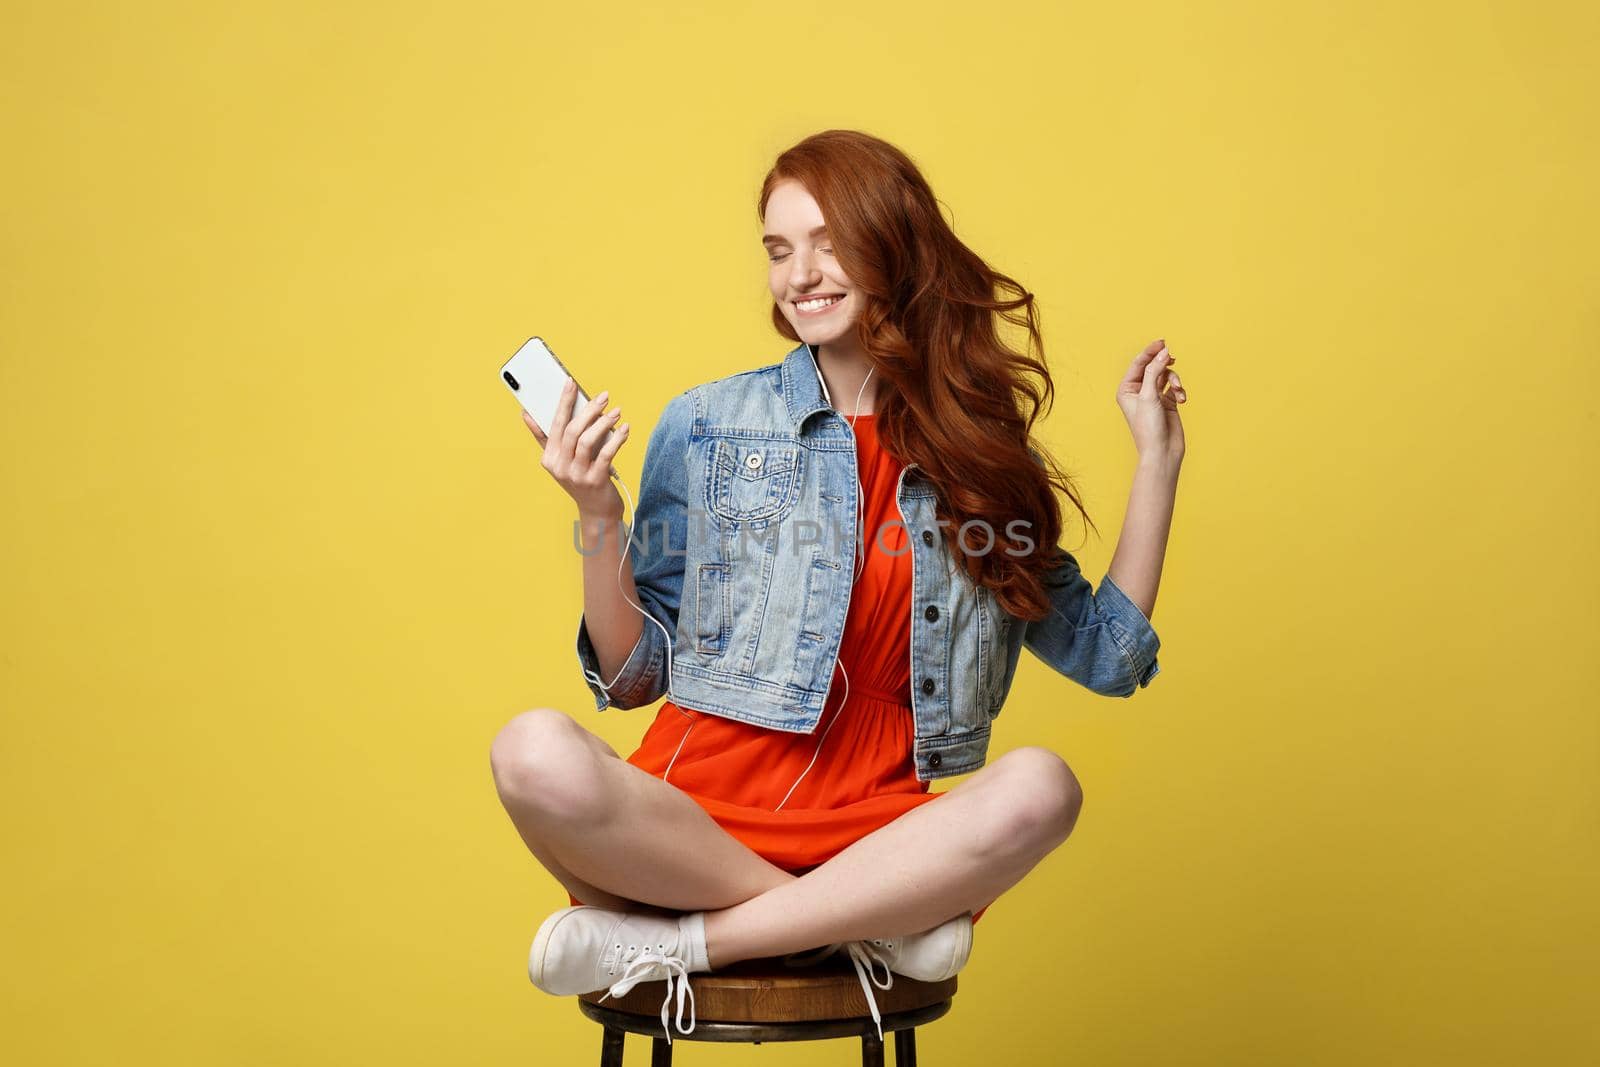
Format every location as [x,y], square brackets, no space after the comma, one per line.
[753,460]
[936,759]
[927,537]
[932,614]
[927,685]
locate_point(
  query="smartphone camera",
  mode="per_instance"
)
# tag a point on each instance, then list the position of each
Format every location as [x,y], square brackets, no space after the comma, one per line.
[509,379]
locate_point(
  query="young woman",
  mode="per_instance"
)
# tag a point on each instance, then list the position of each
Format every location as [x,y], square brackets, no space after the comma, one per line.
[798,812]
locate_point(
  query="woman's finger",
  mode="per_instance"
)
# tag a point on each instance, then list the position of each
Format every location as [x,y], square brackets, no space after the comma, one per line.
[1132,381]
[584,417]
[1153,371]
[534,428]
[609,449]
[590,439]
[558,422]
[1166,359]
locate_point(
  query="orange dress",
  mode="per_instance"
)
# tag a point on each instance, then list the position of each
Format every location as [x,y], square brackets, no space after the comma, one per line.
[863,776]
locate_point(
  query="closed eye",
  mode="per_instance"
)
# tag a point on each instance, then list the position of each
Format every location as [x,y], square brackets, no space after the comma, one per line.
[775,259]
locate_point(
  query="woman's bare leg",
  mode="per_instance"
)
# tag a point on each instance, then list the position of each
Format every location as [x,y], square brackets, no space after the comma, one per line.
[579,888]
[612,834]
[621,838]
[948,856]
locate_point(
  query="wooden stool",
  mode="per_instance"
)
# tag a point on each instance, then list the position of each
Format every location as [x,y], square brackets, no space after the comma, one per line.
[767,1000]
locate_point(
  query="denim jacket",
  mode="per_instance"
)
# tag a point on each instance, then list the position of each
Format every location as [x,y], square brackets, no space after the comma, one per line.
[742,546]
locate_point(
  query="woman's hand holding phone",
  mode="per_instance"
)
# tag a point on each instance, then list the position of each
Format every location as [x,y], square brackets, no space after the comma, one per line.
[575,455]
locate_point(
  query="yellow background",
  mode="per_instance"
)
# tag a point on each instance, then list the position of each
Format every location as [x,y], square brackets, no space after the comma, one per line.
[280,559]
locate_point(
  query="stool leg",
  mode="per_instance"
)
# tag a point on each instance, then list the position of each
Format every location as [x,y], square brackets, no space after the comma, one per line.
[905,1047]
[610,1047]
[871,1049]
[660,1053]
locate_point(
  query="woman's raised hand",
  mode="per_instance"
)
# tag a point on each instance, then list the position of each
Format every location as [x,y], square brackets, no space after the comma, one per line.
[1150,407]
[578,452]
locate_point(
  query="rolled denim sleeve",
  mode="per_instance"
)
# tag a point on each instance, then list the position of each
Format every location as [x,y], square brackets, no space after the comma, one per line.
[1100,640]
[658,540]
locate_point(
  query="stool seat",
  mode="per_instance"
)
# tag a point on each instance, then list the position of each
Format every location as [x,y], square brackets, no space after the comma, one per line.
[768,1000]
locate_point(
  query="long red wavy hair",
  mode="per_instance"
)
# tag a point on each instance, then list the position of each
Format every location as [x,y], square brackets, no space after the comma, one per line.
[953,397]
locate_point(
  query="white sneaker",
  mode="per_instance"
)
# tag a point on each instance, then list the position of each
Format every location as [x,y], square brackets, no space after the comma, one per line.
[930,956]
[584,948]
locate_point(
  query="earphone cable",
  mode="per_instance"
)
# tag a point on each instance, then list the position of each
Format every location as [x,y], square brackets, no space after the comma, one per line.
[855,573]
[857,569]
[606,686]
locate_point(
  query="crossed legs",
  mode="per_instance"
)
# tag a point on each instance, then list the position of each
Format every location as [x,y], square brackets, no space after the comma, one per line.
[621,838]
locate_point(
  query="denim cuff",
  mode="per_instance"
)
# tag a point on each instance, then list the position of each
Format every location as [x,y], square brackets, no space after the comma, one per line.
[1130,628]
[635,673]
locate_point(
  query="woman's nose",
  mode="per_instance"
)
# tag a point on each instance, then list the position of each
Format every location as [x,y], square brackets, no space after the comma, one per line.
[802,272]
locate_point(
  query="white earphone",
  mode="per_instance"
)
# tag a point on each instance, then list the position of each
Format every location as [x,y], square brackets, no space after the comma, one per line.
[606,686]
[856,573]
[860,564]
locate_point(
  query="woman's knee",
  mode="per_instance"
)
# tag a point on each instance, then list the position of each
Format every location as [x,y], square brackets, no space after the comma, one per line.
[1042,797]
[542,761]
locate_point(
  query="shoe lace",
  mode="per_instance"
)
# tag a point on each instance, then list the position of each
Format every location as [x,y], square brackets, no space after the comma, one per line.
[651,965]
[864,954]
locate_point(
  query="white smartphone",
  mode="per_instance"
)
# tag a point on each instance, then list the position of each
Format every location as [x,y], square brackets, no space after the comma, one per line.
[535,377]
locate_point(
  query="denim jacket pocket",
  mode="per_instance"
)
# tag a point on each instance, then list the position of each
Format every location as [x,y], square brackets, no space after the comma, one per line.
[712,613]
[992,632]
[752,480]
[997,660]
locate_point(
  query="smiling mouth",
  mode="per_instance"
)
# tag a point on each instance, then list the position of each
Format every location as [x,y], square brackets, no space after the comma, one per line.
[813,305]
